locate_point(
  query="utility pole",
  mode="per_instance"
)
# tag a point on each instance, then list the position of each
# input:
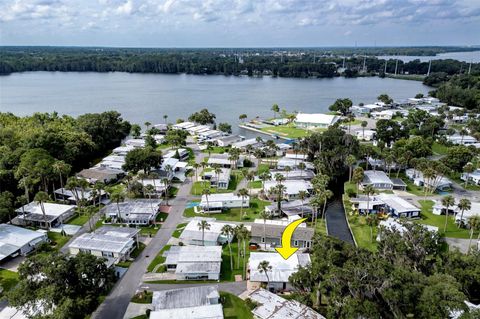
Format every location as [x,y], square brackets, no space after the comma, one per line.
[429,67]
[385,68]
[364,63]
[396,66]
[343,66]
[470,67]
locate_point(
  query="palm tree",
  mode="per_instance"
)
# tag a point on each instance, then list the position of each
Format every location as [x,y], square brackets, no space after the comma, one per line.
[265,176]
[229,232]
[72,185]
[264,267]
[428,175]
[196,166]
[325,196]
[202,225]
[447,201]
[468,169]
[474,224]
[275,110]
[250,178]
[238,233]
[364,125]
[217,172]
[117,197]
[40,198]
[166,183]
[22,201]
[61,168]
[372,220]
[90,210]
[463,205]
[368,190]
[350,160]
[165,117]
[99,187]
[265,215]
[206,192]
[242,193]
[147,124]
[301,166]
[245,234]
[302,195]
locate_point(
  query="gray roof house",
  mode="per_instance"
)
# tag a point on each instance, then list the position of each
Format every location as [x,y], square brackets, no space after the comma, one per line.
[195,262]
[272,237]
[134,211]
[202,302]
[16,241]
[32,214]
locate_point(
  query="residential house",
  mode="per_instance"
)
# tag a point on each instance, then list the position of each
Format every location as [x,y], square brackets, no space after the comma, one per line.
[225,141]
[316,120]
[134,211]
[17,241]
[473,177]
[113,243]
[440,183]
[292,188]
[183,125]
[378,179]
[200,302]
[32,214]
[100,174]
[366,135]
[462,140]
[295,174]
[136,142]
[271,232]
[398,207]
[219,180]
[272,306]
[193,235]
[244,144]
[71,196]
[223,201]
[195,262]
[275,279]
[123,150]
[394,225]
[293,163]
[223,160]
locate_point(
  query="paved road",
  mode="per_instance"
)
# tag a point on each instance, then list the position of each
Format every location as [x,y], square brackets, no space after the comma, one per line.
[117,301]
[337,222]
[235,288]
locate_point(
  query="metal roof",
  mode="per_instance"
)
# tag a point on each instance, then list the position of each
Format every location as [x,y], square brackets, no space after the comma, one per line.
[201,312]
[184,297]
[276,231]
[99,242]
[282,269]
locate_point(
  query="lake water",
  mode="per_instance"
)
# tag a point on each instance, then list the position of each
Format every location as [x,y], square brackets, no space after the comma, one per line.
[469,56]
[147,97]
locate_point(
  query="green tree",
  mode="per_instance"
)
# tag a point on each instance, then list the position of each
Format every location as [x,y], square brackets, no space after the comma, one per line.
[7,208]
[41,198]
[228,231]
[135,130]
[202,117]
[264,267]
[447,201]
[265,215]
[350,161]
[385,99]
[203,225]
[225,127]
[464,204]
[243,193]
[342,106]
[275,108]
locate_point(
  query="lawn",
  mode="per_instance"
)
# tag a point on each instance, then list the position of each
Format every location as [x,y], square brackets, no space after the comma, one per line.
[177,232]
[149,230]
[57,240]
[143,297]
[8,280]
[235,178]
[256,206]
[321,227]
[227,274]
[255,184]
[79,220]
[159,259]
[428,218]
[161,217]
[263,168]
[361,232]
[289,131]
[215,150]
[234,307]
[439,149]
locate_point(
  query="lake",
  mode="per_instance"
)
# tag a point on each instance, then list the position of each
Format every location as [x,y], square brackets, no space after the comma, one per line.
[147,97]
[468,56]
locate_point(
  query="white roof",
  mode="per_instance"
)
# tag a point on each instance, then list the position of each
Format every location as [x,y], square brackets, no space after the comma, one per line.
[192,232]
[293,187]
[51,209]
[378,177]
[399,204]
[185,297]
[12,238]
[123,149]
[99,242]
[393,224]
[281,269]
[136,142]
[272,306]
[200,312]
[221,197]
[251,141]
[183,125]
[200,254]
[316,118]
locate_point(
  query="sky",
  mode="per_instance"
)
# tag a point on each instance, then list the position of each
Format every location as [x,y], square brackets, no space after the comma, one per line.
[239,23]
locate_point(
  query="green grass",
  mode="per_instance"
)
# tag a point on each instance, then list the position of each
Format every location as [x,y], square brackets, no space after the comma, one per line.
[79,220]
[439,149]
[216,150]
[428,218]
[263,168]
[321,227]
[250,213]
[172,192]
[57,239]
[361,232]
[289,131]
[8,280]
[235,178]
[159,259]
[162,216]
[142,297]
[234,307]
[144,230]
[227,274]
[255,184]
[177,232]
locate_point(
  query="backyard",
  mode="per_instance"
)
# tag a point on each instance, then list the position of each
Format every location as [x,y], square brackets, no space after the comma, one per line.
[428,218]
[227,274]
[57,240]
[288,130]
[8,280]
[234,307]
[234,214]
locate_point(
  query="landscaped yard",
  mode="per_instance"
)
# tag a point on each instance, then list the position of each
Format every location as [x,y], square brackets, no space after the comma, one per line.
[362,232]
[143,297]
[256,206]
[58,239]
[135,253]
[8,280]
[177,232]
[321,227]
[439,149]
[215,150]
[226,271]
[255,184]
[289,131]
[159,259]
[234,307]
[79,220]
[428,218]
[263,168]
[144,230]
